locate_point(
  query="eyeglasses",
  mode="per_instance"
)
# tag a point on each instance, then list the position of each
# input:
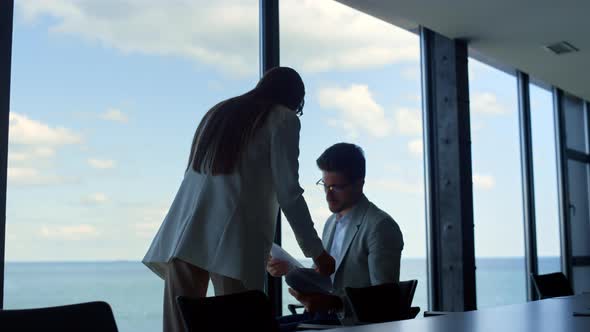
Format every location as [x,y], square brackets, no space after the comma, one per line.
[299,110]
[335,188]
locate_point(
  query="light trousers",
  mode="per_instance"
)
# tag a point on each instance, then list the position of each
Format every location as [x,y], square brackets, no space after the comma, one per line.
[185,279]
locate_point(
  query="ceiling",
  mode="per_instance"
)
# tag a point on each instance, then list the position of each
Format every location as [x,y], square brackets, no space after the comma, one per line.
[506,34]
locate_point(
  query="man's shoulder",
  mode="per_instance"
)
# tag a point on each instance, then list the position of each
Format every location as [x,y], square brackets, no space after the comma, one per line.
[375,215]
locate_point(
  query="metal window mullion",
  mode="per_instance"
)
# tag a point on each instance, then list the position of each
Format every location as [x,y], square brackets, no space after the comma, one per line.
[6,26]
[432,258]
[528,187]
[562,182]
[269,58]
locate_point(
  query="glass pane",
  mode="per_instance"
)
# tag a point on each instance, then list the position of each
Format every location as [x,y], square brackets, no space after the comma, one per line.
[575,123]
[579,213]
[362,86]
[546,201]
[581,279]
[497,200]
[106,97]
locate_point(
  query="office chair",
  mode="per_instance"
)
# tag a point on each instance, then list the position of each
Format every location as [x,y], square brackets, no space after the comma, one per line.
[551,285]
[383,303]
[88,317]
[245,311]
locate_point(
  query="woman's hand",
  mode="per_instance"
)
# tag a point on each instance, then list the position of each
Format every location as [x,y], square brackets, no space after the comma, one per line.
[277,267]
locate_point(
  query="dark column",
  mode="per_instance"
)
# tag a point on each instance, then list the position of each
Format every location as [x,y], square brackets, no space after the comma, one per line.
[447,166]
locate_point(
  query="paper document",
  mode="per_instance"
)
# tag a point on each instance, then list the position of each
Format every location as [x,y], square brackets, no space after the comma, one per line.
[279,253]
[309,281]
[301,279]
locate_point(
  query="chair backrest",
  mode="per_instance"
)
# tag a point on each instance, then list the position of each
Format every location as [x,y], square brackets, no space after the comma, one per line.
[382,303]
[407,290]
[245,311]
[88,317]
[552,285]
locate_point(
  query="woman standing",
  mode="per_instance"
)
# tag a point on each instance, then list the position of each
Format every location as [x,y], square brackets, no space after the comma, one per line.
[242,167]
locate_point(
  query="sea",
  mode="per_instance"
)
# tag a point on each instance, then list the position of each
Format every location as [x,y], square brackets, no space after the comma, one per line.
[136,294]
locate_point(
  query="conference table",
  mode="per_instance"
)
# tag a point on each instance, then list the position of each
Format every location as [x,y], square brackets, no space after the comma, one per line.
[549,315]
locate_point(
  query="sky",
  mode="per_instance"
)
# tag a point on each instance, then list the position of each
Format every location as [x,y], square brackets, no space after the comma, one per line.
[106,96]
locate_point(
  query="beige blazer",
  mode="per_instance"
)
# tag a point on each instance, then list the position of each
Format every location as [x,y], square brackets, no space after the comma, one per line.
[226,224]
[372,249]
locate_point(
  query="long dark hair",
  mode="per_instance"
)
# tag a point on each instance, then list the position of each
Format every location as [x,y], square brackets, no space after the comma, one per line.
[227,127]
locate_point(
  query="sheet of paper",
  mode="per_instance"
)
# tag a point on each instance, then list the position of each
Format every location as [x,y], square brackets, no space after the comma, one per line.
[309,281]
[280,253]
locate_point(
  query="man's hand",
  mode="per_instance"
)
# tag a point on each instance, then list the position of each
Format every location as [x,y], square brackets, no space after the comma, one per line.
[325,264]
[316,302]
[277,267]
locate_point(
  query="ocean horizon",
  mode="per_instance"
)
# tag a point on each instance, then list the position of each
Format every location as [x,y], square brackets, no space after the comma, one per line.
[135,293]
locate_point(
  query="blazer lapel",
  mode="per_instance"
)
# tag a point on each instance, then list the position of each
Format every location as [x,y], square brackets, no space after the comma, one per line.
[331,224]
[357,215]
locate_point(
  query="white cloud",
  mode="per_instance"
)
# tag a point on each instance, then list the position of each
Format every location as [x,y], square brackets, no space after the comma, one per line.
[394,185]
[76,232]
[315,35]
[334,36]
[416,148]
[101,163]
[486,103]
[484,182]
[31,154]
[221,34]
[95,198]
[32,142]
[357,110]
[408,121]
[25,176]
[44,151]
[18,156]
[114,115]
[24,130]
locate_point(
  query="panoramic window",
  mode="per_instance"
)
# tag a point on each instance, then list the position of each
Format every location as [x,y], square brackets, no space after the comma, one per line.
[497,187]
[544,161]
[106,97]
[362,79]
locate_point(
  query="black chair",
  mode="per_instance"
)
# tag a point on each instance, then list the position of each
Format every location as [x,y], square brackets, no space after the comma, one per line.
[383,303]
[551,285]
[88,317]
[293,308]
[245,311]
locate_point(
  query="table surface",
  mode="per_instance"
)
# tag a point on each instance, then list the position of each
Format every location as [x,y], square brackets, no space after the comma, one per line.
[550,315]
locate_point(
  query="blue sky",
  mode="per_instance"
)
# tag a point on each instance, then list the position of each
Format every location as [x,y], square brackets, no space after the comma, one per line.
[106,97]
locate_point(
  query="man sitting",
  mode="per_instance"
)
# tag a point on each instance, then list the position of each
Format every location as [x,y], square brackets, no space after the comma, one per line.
[365,241]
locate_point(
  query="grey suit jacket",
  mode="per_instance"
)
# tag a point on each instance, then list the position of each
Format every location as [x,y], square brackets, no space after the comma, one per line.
[372,249]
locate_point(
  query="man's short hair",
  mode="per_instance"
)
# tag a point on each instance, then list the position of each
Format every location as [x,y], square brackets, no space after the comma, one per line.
[345,158]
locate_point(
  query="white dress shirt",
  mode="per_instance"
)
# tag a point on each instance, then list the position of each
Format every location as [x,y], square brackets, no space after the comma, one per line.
[339,232]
